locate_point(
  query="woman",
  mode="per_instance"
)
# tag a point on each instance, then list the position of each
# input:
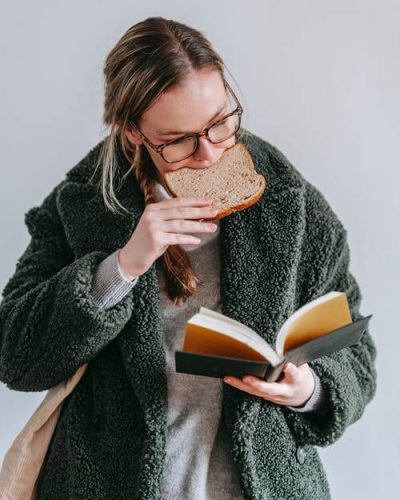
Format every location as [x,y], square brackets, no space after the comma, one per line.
[112,273]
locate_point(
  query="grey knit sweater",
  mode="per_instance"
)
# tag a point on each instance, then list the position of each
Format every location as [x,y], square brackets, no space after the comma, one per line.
[198,462]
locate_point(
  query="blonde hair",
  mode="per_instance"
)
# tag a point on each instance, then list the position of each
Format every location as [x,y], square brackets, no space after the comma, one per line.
[150,58]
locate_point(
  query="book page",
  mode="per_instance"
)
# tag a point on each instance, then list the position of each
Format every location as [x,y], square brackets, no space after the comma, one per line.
[203,341]
[318,317]
[208,333]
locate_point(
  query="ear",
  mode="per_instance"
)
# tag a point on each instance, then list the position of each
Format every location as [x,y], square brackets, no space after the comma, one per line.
[133,136]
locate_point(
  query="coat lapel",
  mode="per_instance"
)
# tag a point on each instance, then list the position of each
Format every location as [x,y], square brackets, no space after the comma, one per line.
[259,251]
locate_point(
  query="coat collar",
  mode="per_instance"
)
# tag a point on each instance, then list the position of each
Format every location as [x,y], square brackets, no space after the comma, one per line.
[259,249]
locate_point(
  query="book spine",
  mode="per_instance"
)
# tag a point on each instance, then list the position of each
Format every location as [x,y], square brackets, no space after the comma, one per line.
[272,373]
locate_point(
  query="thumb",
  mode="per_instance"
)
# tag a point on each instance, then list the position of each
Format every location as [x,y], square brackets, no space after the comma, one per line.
[291,371]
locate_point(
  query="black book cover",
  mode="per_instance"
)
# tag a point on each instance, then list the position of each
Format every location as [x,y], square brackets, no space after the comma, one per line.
[220,366]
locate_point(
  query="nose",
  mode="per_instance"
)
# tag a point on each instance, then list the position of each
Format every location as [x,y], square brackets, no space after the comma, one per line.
[206,153]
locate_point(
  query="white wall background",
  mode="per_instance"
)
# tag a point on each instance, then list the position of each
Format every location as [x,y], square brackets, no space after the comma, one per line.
[319,79]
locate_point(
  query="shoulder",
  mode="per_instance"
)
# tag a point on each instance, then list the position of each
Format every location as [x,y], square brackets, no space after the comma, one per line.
[325,240]
[281,174]
[322,236]
[43,218]
[320,212]
[84,170]
[269,161]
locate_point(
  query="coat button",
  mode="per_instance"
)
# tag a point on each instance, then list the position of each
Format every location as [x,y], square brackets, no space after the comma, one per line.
[300,455]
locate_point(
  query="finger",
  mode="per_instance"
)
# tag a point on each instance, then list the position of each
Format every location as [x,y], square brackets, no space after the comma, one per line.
[239,384]
[292,373]
[182,202]
[270,389]
[255,386]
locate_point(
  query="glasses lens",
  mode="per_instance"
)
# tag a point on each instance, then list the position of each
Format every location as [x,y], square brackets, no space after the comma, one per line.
[219,132]
[179,150]
[222,131]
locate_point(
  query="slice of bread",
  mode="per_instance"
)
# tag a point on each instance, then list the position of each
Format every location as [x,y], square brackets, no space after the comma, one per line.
[232,182]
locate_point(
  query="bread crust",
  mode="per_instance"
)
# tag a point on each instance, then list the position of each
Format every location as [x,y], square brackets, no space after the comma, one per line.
[238,206]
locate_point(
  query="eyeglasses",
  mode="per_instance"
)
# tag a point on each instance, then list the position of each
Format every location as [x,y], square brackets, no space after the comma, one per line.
[179,149]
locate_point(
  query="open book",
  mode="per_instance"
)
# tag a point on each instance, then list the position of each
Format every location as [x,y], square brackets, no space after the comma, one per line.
[216,345]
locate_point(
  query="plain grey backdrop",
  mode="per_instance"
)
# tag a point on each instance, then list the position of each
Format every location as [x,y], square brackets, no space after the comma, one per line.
[319,80]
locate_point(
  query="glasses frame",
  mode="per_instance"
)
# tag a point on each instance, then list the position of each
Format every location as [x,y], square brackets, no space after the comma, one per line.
[158,148]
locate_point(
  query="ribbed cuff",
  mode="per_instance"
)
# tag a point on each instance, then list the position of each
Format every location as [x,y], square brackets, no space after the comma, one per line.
[124,274]
[316,399]
[110,283]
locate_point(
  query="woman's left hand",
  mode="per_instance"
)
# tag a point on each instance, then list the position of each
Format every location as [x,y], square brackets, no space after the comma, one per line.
[294,389]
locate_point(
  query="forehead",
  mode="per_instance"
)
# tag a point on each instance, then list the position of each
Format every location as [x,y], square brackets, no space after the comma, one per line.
[189,106]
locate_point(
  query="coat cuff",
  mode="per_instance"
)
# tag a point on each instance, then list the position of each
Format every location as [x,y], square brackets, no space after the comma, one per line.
[344,402]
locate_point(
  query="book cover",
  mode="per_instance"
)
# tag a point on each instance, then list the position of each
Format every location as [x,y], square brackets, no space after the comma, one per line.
[216,345]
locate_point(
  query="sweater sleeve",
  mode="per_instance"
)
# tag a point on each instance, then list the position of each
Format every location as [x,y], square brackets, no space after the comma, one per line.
[110,282]
[50,322]
[316,401]
[348,376]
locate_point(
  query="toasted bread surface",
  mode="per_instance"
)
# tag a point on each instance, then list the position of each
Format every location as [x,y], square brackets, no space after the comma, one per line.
[232,182]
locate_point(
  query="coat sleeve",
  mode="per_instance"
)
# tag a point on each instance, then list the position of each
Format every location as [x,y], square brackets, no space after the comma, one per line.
[50,321]
[348,376]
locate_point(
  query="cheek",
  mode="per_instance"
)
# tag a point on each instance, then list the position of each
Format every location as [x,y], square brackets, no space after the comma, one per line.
[161,166]
[229,143]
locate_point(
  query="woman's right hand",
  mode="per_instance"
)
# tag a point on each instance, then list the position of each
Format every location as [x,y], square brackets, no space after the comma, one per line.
[162,224]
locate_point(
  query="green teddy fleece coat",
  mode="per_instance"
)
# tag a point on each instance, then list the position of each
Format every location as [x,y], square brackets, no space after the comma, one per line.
[109,443]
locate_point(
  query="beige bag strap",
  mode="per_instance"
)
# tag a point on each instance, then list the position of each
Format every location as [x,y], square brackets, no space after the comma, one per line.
[23,460]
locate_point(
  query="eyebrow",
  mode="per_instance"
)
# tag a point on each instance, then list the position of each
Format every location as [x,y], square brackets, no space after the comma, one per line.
[174,132]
